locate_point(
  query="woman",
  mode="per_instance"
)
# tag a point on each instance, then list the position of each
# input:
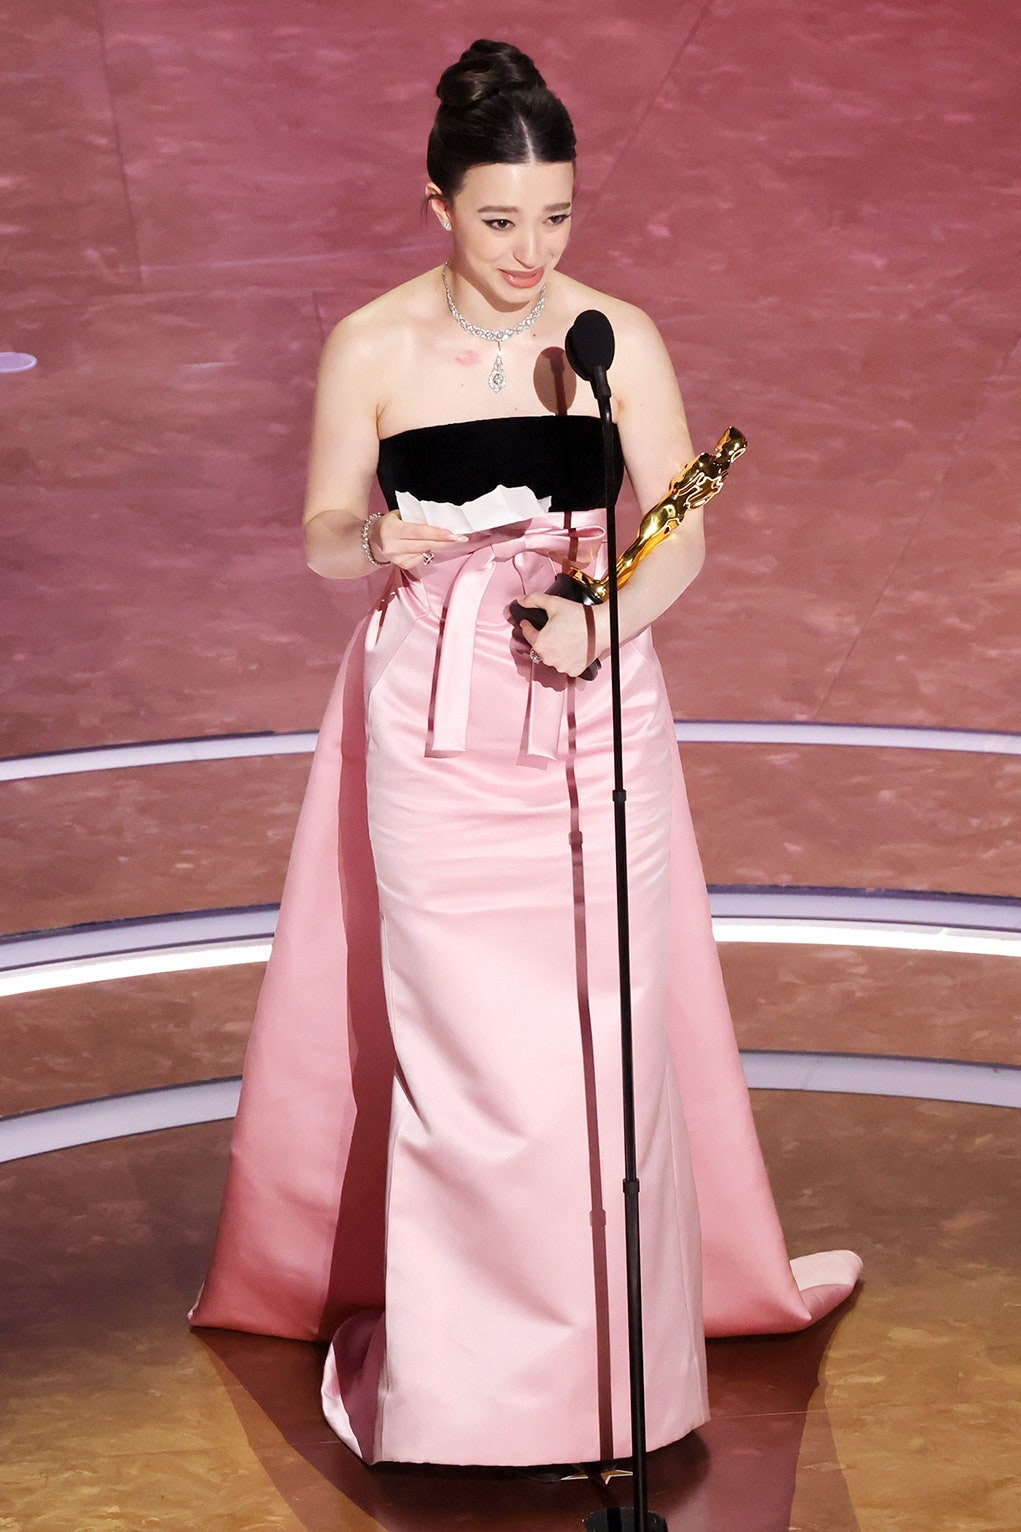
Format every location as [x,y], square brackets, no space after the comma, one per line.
[427,1156]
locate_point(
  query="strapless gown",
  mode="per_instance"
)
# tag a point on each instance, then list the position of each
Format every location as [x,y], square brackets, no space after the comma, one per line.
[427,1159]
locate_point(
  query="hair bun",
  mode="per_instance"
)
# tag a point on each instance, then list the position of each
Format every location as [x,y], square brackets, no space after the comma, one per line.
[483,70]
[495,109]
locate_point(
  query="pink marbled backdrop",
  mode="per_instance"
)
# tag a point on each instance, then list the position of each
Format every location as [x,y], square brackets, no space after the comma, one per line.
[817,204]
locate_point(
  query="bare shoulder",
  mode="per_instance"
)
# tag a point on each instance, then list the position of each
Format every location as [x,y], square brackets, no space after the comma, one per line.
[642,364]
[382,324]
[632,326]
[648,404]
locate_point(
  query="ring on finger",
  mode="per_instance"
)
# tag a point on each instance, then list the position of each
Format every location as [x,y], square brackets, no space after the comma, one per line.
[427,558]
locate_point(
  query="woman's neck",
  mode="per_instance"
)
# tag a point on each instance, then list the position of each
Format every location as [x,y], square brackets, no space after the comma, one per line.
[483,308]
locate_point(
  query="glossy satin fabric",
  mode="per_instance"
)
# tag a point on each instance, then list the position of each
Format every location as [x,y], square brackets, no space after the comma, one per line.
[427,1159]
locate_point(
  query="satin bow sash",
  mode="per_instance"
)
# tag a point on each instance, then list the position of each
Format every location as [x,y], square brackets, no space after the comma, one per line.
[448,734]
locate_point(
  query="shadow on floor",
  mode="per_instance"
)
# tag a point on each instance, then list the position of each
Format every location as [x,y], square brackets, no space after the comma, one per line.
[737,1474]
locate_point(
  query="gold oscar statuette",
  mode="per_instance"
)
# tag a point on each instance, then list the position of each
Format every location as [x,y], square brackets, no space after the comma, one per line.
[695,485]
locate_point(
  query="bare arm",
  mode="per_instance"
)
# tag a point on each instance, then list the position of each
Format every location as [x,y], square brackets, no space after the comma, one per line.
[657,446]
[342,465]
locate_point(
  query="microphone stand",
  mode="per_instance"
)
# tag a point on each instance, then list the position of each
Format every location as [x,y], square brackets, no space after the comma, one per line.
[590,347]
[637,1517]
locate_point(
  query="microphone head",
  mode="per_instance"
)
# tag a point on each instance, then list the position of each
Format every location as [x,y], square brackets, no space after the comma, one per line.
[590,344]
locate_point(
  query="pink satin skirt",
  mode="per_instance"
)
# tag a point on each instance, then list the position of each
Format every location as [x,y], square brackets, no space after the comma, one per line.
[427,1161]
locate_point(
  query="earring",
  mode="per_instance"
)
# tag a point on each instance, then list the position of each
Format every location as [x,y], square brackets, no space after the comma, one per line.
[446,224]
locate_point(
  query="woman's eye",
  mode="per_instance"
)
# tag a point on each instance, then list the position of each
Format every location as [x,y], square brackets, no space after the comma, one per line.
[558,218]
[499,224]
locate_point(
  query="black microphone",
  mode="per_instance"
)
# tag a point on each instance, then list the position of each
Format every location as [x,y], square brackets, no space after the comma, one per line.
[590,347]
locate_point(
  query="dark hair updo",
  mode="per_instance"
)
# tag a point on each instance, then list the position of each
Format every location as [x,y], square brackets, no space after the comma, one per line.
[495,109]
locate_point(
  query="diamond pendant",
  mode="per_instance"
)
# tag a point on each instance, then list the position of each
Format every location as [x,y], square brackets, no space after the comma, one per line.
[497,378]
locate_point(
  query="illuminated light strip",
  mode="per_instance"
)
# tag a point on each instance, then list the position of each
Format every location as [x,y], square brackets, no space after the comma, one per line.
[17,361]
[875,735]
[179,1106]
[839,933]
[139,934]
[227,747]
[781,902]
[131,965]
[803,917]
[164,752]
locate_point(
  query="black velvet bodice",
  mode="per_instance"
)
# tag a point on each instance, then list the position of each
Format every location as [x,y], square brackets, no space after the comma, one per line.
[556,455]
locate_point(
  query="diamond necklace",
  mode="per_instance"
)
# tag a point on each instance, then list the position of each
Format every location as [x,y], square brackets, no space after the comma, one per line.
[497,378]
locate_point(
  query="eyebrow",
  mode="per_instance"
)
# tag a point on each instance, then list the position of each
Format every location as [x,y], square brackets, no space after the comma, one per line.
[552,207]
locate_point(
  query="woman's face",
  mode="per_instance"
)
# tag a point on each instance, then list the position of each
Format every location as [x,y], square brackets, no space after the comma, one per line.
[510,225]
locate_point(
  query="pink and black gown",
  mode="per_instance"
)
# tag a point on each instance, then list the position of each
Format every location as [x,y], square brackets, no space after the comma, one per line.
[427,1159]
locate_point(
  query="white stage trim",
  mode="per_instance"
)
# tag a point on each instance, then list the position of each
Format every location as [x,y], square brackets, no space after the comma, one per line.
[225,747]
[178,1106]
[796,916]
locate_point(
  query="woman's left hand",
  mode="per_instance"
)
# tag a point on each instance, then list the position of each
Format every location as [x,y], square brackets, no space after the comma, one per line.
[572,636]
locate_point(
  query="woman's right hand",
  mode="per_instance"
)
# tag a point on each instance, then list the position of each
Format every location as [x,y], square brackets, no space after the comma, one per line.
[406,543]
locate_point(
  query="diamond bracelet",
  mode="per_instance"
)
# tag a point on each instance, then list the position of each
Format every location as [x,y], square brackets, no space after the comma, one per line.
[366,545]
